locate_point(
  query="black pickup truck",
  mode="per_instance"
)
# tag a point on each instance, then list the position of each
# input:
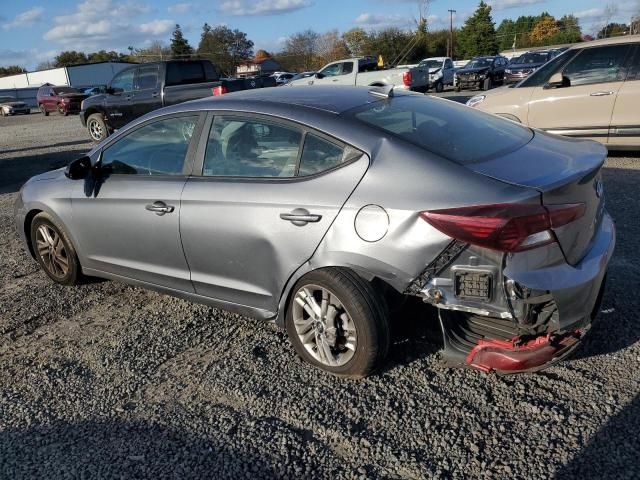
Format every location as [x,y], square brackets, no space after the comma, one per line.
[140,89]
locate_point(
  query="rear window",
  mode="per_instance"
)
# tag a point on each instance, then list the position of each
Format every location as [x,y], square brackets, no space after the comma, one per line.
[445,128]
[184,73]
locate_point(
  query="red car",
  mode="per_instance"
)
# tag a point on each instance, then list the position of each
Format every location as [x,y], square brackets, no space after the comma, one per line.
[64,100]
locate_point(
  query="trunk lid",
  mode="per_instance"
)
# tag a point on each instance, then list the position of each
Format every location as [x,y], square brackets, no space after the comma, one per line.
[564,171]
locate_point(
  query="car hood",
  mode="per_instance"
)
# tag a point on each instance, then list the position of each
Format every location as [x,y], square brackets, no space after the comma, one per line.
[524,66]
[50,175]
[94,100]
[14,104]
[473,70]
[74,96]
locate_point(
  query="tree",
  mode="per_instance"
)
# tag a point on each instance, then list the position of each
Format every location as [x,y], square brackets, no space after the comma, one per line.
[46,65]
[69,57]
[104,56]
[570,31]
[389,42]
[478,35]
[262,54]
[180,47]
[356,41]
[155,52]
[613,30]
[544,31]
[329,48]
[226,48]
[299,51]
[11,70]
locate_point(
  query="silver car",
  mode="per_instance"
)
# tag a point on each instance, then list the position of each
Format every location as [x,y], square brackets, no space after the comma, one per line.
[316,207]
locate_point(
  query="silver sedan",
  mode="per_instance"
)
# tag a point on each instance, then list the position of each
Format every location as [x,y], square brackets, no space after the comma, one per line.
[316,207]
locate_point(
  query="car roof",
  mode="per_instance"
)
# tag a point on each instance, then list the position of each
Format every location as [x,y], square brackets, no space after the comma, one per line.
[334,99]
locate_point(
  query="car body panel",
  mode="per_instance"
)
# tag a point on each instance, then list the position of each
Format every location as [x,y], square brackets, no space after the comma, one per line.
[624,130]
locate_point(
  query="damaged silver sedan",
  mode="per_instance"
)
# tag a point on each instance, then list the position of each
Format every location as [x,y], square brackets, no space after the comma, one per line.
[311,207]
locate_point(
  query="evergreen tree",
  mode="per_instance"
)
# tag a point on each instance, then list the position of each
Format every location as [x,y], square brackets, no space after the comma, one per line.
[478,35]
[180,47]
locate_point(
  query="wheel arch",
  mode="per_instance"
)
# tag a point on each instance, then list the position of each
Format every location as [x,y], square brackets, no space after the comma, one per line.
[28,220]
[41,208]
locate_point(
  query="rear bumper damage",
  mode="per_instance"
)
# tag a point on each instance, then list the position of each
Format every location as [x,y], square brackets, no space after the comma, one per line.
[515,312]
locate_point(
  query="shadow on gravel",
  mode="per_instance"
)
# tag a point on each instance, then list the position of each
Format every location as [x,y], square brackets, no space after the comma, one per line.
[613,452]
[16,171]
[122,449]
[53,145]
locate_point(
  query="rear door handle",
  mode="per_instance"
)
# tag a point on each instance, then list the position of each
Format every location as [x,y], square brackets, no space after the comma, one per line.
[300,217]
[601,94]
[160,208]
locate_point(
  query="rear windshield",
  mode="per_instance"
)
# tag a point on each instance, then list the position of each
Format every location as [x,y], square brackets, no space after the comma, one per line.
[63,90]
[446,128]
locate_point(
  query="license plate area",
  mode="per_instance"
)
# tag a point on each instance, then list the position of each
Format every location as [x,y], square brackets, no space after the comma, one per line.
[473,284]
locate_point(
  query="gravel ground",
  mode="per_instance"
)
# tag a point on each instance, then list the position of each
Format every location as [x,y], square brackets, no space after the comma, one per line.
[111,381]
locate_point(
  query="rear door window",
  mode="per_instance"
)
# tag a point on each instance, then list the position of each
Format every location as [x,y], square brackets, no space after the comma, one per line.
[347,67]
[184,73]
[146,77]
[597,65]
[439,125]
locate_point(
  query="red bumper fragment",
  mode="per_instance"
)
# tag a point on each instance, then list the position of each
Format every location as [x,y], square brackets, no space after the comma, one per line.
[517,356]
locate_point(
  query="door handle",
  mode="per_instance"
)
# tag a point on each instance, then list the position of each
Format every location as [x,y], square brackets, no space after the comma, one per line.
[601,94]
[154,95]
[335,80]
[160,208]
[300,217]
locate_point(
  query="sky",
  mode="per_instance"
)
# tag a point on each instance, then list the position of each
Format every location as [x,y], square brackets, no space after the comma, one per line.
[32,31]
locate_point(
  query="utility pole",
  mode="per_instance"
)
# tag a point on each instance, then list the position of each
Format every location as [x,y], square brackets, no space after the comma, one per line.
[451,12]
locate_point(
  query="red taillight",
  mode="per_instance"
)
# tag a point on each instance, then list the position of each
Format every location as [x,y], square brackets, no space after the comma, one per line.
[508,227]
[219,90]
[407,79]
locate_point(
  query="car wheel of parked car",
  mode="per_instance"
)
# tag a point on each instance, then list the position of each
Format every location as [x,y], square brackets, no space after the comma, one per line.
[337,322]
[487,84]
[97,128]
[439,87]
[43,110]
[2,112]
[62,111]
[457,89]
[54,250]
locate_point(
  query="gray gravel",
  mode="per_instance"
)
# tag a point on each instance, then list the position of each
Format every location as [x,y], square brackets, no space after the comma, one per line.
[111,381]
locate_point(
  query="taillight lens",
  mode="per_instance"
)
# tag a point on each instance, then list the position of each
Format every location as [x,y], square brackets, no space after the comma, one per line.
[507,227]
[219,90]
[406,78]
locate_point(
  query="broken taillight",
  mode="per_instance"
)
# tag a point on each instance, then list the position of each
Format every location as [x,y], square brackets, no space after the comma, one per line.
[219,90]
[507,227]
[407,78]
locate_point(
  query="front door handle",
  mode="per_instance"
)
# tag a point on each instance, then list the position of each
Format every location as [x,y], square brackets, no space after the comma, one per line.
[160,208]
[601,94]
[300,217]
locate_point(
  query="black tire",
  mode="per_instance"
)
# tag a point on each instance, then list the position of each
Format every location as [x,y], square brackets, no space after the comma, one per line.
[62,111]
[97,127]
[487,84]
[74,272]
[439,87]
[457,89]
[366,309]
[43,110]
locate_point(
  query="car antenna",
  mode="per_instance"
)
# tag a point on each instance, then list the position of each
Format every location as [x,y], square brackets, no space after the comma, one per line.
[385,91]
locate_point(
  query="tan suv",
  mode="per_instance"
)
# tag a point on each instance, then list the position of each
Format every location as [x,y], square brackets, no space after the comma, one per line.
[590,91]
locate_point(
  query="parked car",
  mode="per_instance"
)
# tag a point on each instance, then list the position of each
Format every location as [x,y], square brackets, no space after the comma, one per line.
[137,90]
[11,106]
[481,72]
[282,204]
[591,91]
[441,72]
[365,71]
[282,77]
[526,64]
[61,99]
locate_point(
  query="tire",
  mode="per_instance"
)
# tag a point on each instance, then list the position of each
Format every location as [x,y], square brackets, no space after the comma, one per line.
[97,127]
[365,326]
[487,84]
[62,111]
[439,87]
[64,273]
[43,110]
[2,112]
[457,89]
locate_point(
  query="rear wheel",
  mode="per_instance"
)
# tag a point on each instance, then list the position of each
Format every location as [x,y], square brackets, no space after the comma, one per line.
[54,250]
[338,323]
[43,110]
[97,127]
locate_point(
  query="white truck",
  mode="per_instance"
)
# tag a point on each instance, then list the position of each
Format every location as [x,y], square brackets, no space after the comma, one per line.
[365,71]
[441,72]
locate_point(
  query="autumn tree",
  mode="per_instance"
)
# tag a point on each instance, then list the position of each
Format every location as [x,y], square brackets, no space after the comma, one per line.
[544,31]
[262,54]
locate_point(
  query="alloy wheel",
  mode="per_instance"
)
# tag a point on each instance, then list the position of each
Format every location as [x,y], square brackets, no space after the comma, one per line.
[324,326]
[95,130]
[52,251]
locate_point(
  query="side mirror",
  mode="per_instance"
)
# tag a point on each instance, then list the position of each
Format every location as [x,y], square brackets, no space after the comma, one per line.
[558,80]
[319,75]
[79,168]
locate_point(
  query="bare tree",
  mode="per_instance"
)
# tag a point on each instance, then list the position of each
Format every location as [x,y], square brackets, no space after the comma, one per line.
[610,11]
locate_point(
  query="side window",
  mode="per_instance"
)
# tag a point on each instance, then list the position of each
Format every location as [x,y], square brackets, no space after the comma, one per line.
[597,65]
[448,63]
[633,66]
[242,147]
[347,68]
[184,73]
[146,77]
[158,148]
[123,82]
[331,70]
[319,155]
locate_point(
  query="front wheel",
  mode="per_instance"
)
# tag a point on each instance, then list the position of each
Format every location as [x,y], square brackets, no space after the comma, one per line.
[43,110]
[62,111]
[338,323]
[439,87]
[97,127]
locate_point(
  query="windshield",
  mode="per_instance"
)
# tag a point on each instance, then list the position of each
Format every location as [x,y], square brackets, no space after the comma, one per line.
[430,63]
[63,90]
[534,58]
[440,125]
[541,75]
[7,99]
[479,63]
